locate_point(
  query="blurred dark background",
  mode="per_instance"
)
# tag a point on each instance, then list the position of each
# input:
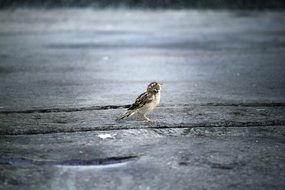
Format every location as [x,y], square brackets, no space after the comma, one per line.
[177,4]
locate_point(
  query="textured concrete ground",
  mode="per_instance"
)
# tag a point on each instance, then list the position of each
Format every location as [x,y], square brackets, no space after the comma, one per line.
[66,74]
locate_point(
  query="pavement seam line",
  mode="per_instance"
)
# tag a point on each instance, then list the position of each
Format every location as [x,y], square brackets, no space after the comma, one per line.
[108,107]
[164,126]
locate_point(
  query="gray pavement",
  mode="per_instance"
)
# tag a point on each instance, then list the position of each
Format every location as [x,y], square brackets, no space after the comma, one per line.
[67,73]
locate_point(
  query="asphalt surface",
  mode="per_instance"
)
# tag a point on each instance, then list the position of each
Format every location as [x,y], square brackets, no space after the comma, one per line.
[66,74]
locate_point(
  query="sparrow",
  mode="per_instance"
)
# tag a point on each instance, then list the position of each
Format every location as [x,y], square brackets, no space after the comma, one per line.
[145,102]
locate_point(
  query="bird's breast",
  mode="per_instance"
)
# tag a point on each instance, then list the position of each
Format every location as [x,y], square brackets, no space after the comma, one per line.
[150,106]
[157,98]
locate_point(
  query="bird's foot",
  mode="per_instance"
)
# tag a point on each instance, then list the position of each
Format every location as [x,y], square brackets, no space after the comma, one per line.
[146,119]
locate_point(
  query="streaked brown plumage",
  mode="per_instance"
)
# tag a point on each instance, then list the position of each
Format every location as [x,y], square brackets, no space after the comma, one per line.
[145,102]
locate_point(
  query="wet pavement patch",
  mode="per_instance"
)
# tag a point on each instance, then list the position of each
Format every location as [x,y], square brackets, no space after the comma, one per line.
[73,162]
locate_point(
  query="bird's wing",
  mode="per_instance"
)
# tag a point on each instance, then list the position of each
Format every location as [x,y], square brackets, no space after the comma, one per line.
[141,100]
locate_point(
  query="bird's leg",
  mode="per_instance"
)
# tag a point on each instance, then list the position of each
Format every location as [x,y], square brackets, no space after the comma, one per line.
[146,118]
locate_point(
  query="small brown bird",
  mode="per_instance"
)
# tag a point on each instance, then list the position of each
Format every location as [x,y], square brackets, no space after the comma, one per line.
[145,102]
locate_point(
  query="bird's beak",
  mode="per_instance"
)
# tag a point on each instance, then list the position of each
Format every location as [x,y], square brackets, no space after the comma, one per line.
[160,86]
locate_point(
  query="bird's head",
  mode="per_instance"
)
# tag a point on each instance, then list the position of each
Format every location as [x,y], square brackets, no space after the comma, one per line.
[154,87]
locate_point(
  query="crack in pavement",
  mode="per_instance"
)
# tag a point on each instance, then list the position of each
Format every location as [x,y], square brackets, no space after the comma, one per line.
[113,127]
[75,162]
[55,110]
[108,107]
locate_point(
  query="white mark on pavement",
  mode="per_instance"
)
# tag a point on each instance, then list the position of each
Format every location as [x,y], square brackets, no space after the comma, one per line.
[93,166]
[106,136]
[105,58]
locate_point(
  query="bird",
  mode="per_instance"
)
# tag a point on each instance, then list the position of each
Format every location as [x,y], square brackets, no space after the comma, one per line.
[145,102]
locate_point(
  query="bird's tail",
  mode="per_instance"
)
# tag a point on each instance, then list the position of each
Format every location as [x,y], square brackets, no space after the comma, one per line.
[126,114]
